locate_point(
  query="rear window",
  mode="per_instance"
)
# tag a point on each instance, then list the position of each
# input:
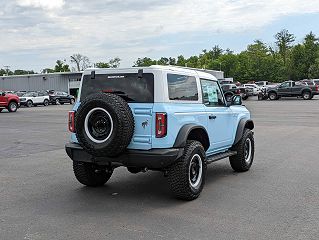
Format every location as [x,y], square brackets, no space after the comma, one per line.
[182,87]
[127,85]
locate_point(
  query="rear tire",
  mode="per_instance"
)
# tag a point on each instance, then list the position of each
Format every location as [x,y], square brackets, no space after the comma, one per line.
[187,176]
[273,96]
[306,95]
[13,107]
[245,149]
[91,175]
[72,101]
[46,102]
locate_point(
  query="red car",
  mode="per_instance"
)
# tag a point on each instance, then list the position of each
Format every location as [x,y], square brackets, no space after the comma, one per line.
[9,101]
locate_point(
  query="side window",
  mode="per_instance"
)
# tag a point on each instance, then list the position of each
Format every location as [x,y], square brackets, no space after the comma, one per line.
[181,87]
[40,94]
[286,84]
[212,95]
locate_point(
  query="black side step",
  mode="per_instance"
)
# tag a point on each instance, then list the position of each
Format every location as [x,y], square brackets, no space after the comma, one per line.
[220,156]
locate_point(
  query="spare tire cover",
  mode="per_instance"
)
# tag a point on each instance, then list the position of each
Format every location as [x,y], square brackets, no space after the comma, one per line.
[104,124]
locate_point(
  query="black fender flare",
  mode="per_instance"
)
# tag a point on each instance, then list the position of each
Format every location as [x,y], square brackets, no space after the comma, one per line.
[243,123]
[184,132]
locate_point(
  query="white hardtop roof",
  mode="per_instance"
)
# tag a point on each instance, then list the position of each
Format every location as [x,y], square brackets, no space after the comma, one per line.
[200,72]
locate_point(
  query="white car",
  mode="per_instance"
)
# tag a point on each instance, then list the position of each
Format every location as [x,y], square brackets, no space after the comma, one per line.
[35,98]
[255,87]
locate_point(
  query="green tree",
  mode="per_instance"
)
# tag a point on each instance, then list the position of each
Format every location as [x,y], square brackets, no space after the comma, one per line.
[144,62]
[284,41]
[163,61]
[22,72]
[47,70]
[102,65]
[181,61]
[314,70]
[115,62]
[61,66]
[81,62]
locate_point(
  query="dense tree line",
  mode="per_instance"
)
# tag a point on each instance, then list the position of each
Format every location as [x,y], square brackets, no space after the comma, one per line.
[258,62]
[281,61]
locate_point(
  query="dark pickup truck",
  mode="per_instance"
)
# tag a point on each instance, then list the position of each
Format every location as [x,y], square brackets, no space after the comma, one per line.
[230,90]
[292,89]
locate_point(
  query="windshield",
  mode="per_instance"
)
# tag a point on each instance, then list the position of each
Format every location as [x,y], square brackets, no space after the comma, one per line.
[127,85]
[28,94]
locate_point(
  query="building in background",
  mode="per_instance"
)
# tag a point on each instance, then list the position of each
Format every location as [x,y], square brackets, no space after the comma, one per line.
[66,82]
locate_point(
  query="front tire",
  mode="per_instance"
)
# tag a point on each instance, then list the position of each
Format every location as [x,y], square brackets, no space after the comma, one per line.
[13,107]
[46,102]
[90,174]
[187,176]
[245,148]
[273,96]
[29,103]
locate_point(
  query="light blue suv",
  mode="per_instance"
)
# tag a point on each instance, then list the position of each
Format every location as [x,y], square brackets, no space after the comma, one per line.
[170,119]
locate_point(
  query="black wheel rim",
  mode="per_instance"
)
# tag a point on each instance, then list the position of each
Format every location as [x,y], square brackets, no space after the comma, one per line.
[98,125]
[248,150]
[195,171]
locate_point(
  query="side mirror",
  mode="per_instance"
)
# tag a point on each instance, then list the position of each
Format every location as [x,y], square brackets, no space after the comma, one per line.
[236,100]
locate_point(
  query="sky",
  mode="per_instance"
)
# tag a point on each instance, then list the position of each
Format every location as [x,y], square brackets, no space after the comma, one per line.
[36,33]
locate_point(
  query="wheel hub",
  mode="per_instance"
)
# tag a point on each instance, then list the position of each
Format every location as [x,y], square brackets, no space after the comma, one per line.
[98,125]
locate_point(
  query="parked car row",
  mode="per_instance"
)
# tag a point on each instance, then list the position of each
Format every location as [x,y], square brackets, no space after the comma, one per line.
[12,100]
[305,89]
[45,98]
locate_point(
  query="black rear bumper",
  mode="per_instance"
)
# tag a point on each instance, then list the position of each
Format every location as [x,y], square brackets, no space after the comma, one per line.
[151,159]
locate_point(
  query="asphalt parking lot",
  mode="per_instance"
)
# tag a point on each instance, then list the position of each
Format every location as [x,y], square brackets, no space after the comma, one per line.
[277,199]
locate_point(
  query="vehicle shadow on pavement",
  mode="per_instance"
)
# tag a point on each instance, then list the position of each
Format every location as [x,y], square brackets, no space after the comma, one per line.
[149,190]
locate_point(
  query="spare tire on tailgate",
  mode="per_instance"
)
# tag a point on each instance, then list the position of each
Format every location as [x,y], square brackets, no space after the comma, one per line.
[104,124]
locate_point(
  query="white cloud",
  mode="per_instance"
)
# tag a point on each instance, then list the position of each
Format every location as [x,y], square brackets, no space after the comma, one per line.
[45,4]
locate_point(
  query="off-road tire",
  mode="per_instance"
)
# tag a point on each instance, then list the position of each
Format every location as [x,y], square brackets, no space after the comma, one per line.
[29,103]
[13,107]
[306,95]
[123,124]
[179,173]
[238,162]
[91,175]
[273,96]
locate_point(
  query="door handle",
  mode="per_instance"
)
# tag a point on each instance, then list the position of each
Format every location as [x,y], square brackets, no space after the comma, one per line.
[212,117]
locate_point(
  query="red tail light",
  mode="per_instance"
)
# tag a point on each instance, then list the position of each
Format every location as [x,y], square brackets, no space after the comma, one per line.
[71,121]
[317,88]
[161,125]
